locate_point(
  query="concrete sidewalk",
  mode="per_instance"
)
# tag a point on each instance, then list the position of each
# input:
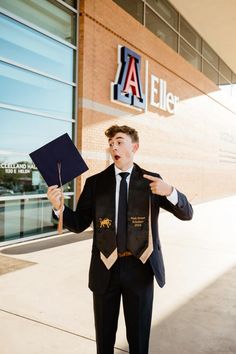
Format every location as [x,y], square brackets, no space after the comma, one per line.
[46,307]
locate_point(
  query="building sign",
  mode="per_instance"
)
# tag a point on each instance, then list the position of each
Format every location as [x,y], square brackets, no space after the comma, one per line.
[160,97]
[16,178]
[127,88]
[17,168]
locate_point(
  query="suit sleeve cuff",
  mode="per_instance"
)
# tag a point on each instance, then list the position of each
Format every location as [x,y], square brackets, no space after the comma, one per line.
[173,197]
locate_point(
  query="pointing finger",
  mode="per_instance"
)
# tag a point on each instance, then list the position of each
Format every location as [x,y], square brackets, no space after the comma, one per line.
[151,178]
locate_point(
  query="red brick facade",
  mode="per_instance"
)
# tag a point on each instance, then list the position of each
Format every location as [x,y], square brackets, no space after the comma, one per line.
[188,148]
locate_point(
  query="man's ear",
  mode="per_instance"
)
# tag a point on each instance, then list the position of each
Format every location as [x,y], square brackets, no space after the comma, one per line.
[135,147]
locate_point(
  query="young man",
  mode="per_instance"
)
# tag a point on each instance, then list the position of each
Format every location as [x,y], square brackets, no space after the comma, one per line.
[123,203]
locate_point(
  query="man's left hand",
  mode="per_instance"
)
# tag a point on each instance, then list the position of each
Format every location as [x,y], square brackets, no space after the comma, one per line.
[158,186]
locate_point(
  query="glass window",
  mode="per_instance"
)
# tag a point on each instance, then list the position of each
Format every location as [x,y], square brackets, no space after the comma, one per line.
[21,134]
[161,29]
[225,70]
[72,3]
[133,7]
[21,212]
[46,15]
[29,47]
[209,54]
[190,54]
[166,11]
[211,73]
[27,217]
[10,224]
[25,89]
[190,34]
[18,175]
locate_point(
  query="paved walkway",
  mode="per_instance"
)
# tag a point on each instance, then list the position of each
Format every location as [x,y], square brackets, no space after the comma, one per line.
[46,307]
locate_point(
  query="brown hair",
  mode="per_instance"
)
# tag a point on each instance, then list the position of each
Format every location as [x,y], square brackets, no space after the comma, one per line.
[114,129]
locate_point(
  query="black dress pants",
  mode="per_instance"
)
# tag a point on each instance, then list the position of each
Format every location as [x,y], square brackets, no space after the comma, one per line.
[133,281]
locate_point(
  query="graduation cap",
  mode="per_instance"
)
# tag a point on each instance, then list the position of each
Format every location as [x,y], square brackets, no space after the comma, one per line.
[59,162]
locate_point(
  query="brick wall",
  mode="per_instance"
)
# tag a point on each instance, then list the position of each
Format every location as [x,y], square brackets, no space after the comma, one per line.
[187,148]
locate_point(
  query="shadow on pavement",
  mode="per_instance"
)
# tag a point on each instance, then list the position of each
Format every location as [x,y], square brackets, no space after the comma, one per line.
[204,325]
[9,264]
[47,243]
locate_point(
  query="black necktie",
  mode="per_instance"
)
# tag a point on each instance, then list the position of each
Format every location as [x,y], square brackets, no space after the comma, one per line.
[122,214]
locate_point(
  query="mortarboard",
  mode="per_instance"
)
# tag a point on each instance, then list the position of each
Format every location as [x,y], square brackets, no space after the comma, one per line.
[59,162]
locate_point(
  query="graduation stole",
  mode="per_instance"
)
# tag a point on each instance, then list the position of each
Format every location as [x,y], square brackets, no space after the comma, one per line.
[138,212]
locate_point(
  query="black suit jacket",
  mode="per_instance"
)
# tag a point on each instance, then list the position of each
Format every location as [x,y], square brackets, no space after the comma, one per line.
[84,215]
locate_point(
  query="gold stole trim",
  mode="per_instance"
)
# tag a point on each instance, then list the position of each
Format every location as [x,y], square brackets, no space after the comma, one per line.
[109,261]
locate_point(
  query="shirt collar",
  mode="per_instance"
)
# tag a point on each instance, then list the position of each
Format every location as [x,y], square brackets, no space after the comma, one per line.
[117,170]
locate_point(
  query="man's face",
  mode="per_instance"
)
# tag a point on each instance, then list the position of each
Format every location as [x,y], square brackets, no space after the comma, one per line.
[122,150]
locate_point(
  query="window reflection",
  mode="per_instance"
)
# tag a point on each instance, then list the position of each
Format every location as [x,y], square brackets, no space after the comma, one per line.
[72,3]
[189,34]
[18,175]
[190,54]
[24,89]
[46,15]
[31,48]
[210,55]
[133,7]
[26,217]
[11,219]
[165,9]
[24,132]
[24,209]
[211,73]
[225,70]
[161,29]
[21,134]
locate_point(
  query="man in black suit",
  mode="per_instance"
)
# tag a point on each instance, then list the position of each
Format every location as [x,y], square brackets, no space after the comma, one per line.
[123,202]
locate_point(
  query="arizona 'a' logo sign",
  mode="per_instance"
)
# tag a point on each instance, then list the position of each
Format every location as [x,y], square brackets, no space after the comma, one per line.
[127,88]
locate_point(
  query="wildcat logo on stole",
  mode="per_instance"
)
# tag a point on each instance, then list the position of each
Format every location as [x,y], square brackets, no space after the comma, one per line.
[105,223]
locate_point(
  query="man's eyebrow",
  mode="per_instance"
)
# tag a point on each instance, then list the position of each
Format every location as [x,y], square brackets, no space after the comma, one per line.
[118,137]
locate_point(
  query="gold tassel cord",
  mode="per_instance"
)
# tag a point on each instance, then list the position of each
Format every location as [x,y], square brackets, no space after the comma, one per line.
[60,222]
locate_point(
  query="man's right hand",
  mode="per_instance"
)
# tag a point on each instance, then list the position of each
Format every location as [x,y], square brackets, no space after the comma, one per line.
[55,196]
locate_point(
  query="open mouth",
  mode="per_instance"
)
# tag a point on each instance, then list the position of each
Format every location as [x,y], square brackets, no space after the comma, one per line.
[117,157]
